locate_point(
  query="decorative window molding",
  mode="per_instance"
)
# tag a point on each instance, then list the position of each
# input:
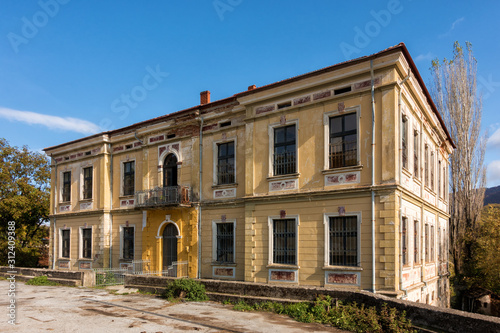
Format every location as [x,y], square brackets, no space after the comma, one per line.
[326,222]
[271,134]
[326,129]
[224,241]
[122,178]
[83,251]
[273,252]
[123,233]
[65,243]
[229,179]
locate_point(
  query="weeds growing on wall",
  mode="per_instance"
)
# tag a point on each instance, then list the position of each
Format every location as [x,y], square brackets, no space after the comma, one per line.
[351,317]
[187,289]
[41,281]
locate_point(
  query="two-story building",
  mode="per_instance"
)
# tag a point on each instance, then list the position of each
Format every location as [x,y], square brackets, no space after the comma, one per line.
[334,178]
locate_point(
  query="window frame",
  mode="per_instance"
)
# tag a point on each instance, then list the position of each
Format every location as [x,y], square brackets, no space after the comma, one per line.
[404,141]
[271,220]
[65,186]
[326,133]
[416,154]
[216,146]
[215,223]
[326,223]
[122,241]
[61,243]
[405,241]
[431,170]
[271,131]
[83,188]
[426,165]
[416,241]
[81,247]
[123,172]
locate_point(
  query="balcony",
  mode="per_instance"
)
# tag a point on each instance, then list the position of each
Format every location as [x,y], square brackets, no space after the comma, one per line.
[164,196]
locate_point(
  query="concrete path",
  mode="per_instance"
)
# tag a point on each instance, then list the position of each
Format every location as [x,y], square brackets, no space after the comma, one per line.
[65,309]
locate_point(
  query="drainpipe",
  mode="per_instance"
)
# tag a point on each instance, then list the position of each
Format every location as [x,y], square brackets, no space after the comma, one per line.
[373,175]
[54,223]
[110,207]
[401,192]
[200,196]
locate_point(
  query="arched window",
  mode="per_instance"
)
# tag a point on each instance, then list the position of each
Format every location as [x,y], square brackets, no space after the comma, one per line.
[170,171]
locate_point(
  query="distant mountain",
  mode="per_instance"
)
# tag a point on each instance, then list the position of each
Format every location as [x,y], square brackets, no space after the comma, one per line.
[492,195]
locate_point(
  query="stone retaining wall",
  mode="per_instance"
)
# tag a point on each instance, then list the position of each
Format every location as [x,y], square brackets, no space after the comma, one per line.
[441,319]
[76,278]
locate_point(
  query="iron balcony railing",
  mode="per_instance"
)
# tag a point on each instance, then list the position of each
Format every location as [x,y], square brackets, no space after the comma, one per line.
[285,163]
[343,154]
[163,196]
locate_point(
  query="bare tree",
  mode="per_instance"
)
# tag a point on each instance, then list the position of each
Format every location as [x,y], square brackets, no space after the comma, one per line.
[456,97]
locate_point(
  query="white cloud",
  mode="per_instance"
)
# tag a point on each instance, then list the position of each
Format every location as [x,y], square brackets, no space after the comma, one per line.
[52,122]
[494,139]
[493,176]
[425,57]
[453,26]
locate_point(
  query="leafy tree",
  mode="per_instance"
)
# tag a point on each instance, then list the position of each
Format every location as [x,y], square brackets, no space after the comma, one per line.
[488,260]
[24,199]
[455,94]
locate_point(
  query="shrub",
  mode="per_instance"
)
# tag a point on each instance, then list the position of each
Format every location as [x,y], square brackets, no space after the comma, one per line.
[188,289]
[41,281]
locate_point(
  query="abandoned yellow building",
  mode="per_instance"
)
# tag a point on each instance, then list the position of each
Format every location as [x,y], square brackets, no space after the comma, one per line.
[335,178]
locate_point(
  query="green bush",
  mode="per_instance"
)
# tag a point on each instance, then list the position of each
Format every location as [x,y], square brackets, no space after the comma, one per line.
[41,281]
[188,289]
[351,317]
[105,278]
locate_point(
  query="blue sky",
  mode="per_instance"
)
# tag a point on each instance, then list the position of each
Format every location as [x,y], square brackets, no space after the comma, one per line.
[72,68]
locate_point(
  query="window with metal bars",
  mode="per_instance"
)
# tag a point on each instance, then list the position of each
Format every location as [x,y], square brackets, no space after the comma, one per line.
[87,183]
[87,243]
[416,165]
[343,150]
[284,242]
[426,165]
[66,190]
[225,243]
[404,238]
[128,178]
[343,241]
[128,243]
[225,163]
[285,150]
[404,142]
[426,239]
[416,256]
[432,170]
[432,246]
[65,243]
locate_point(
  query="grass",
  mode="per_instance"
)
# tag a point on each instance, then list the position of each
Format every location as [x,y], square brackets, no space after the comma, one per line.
[351,317]
[187,289]
[41,280]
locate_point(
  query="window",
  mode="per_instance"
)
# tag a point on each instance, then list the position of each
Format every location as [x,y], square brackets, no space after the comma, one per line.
[87,183]
[128,178]
[432,170]
[87,243]
[128,243]
[439,185]
[416,256]
[404,142]
[440,245]
[285,150]
[427,243]
[224,242]
[225,163]
[66,190]
[343,141]
[404,238]
[432,240]
[426,165]
[415,155]
[65,248]
[343,249]
[284,241]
